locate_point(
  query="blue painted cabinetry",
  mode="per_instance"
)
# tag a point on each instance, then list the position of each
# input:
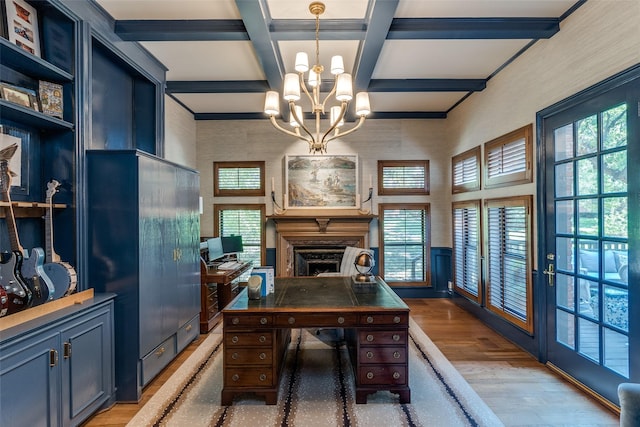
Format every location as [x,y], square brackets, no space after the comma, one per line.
[143,232]
[57,369]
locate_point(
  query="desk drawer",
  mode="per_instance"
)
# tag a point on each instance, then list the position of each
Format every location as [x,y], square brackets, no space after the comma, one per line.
[382,375]
[384,319]
[366,337]
[243,339]
[248,377]
[248,356]
[251,320]
[377,355]
[316,320]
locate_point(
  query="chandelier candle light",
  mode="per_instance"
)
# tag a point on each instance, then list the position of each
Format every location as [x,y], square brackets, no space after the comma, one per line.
[342,88]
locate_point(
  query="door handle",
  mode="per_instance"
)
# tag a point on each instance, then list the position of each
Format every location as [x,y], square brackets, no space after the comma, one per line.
[549,271]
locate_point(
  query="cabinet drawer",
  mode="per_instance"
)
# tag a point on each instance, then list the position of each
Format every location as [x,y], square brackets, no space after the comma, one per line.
[383,375]
[188,333]
[382,337]
[248,377]
[248,356]
[384,319]
[157,359]
[316,320]
[374,355]
[252,320]
[240,339]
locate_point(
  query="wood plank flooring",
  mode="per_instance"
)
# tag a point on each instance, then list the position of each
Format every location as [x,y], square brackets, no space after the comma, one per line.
[521,391]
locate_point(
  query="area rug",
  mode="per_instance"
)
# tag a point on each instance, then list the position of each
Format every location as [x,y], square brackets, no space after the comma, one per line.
[317,389]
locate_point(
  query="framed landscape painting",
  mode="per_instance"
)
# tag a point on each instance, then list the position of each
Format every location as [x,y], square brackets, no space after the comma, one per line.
[317,182]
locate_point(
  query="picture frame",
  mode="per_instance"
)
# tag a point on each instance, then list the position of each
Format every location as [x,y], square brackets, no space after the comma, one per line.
[20,96]
[21,25]
[51,98]
[321,182]
[19,163]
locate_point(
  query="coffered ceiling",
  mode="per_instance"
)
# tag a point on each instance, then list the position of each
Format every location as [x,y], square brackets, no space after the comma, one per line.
[417,58]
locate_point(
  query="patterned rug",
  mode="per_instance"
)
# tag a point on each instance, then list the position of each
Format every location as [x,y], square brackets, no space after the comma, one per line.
[317,389]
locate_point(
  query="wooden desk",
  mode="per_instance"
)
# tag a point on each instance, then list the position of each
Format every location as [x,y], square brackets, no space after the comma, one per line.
[257,333]
[217,289]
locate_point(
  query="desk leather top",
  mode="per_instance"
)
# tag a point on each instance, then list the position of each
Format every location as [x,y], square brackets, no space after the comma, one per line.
[323,294]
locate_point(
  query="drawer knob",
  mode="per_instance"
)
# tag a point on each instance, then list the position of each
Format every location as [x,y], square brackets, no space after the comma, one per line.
[369,319]
[234,356]
[263,320]
[396,337]
[369,355]
[370,338]
[262,338]
[396,355]
[263,377]
[188,328]
[292,320]
[340,320]
[235,377]
[234,339]
[262,356]
[235,320]
[160,352]
[396,375]
[370,375]
[396,319]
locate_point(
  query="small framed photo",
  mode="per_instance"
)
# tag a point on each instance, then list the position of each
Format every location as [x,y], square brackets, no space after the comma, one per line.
[20,96]
[51,98]
[21,23]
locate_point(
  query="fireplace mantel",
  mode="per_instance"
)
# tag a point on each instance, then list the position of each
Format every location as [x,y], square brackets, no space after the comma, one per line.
[317,230]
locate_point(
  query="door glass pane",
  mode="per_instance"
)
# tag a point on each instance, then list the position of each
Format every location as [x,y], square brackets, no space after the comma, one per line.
[589,344]
[589,258]
[587,130]
[564,217]
[589,301]
[616,307]
[564,180]
[565,328]
[587,179]
[615,217]
[614,172]
[614,127]
[616,352]
[564,291]
[564,254]
[563,138]
[588,217]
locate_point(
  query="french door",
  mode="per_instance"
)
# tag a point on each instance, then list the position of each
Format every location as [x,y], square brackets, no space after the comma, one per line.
[590,176]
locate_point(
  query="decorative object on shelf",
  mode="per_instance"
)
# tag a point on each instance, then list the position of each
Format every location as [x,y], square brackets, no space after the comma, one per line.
[317,182]
[368,199]
[364,263]
[20,96]
[21,24]
[51,98]
[342,88]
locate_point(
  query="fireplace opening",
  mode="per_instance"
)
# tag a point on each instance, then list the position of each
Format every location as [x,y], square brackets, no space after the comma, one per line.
[313,260]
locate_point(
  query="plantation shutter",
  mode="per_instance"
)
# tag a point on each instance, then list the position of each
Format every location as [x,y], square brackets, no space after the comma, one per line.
[248,224]
[239,178]
[507,254]
[466,250]
[507,159]
[404,236]
[403,177]
[465,171]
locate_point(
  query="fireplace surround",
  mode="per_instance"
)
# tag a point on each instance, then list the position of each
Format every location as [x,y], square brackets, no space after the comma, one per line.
[307,245]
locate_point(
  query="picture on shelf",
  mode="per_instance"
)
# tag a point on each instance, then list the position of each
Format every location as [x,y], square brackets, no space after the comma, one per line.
[21,25]
[15,163]
[20,96]
[51,98]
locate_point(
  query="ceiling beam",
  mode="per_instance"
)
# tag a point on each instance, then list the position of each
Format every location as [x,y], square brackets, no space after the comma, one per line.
[181,30]
[222,86]
[473,28]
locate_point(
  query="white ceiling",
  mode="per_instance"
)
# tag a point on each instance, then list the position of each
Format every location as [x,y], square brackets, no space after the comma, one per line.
[408,61]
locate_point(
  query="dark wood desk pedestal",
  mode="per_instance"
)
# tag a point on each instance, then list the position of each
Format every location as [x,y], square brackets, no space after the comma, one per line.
[257,333]
[217,289]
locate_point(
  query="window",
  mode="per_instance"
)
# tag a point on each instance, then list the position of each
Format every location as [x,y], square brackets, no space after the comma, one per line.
[404,237]
[403,177]
[466,249]
[238,179]
[246,221]
[507,159]
[508,254]
[465,171]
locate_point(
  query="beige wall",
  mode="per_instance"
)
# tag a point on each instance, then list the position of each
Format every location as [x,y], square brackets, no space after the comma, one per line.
[179,134]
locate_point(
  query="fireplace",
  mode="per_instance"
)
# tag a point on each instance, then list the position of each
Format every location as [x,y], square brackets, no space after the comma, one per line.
[309,245]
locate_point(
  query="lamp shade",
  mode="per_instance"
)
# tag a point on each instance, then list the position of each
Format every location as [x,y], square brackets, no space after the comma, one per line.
[272,103]
[314,78]
[363,107]
[337,65]
[291,87]
[292,119]
[302,62]
[344,89]
[335,113]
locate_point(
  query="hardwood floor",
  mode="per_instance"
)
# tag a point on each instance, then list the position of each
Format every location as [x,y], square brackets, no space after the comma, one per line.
[521,391]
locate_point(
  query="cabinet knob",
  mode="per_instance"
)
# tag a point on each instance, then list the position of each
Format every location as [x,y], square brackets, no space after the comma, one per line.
[262,338]
[396,355]
[396,375]
[370,338]
[340,320]
[263,320]
[396,319]
[263,377]
[396,337]
[234,356]
[160,352]
[188,328]
[235,320]
[235,377]
[370,375]
[234,339]
[369,319]
[262,356]
[292,320]
[369,355]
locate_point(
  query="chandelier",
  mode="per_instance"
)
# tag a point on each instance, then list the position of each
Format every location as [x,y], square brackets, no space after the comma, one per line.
[342,89]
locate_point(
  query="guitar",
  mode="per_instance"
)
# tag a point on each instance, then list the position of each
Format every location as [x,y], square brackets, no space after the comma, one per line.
[20,296]
[61,273]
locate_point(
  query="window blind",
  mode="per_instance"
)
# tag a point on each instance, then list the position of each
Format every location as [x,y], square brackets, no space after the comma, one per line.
[248,224]
[239,178]
[466,250]
[465,171]
[507,158]
[403,177]
[404,237]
